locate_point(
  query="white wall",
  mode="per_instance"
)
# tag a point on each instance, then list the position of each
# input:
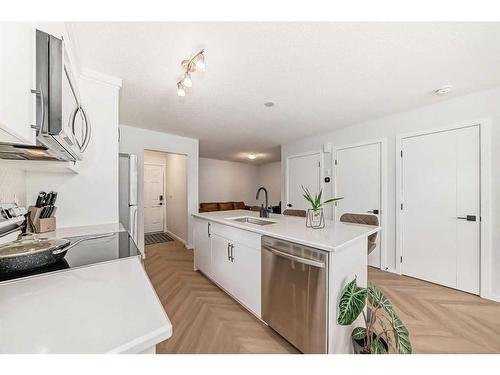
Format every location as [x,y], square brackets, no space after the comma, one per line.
[270,178]
[223,181]
[91,196]
[176,200]
[175,214]
[477,106]
[12,185]
[135,141]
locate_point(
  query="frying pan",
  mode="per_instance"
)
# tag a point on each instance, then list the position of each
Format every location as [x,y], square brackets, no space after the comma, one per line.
[28,253]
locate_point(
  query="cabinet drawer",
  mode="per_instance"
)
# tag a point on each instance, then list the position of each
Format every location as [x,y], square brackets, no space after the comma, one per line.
[241,236]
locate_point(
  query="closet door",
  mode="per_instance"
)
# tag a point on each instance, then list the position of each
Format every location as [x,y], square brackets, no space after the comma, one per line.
[440,216]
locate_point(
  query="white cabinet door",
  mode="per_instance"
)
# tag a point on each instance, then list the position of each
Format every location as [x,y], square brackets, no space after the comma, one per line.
[246,271]
[17,62]
[202,248]
[222,268]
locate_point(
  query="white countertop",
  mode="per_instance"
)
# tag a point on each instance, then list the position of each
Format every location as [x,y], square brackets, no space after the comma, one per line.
[105,308]
[332,237]
[86,230]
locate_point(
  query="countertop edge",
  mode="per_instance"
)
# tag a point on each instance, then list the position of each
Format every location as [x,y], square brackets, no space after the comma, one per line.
[288,238]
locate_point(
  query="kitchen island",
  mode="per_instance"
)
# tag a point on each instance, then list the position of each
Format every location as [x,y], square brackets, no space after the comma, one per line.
[228,249]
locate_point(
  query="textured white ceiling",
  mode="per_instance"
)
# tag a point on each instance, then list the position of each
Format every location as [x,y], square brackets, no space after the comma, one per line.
[321,75]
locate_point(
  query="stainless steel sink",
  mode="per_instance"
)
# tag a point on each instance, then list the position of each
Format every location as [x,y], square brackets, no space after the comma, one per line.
[252,220]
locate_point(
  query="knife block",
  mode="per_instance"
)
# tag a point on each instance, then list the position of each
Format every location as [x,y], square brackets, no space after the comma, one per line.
[41,225]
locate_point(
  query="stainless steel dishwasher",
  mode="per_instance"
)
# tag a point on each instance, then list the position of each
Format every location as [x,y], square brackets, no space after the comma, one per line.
[294,293]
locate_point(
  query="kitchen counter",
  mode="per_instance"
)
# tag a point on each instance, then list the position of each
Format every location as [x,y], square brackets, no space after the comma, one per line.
[333,237]
[105,308]
[86,230]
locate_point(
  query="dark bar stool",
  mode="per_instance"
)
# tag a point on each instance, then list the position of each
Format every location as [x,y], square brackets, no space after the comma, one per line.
[299,213]
[366,219]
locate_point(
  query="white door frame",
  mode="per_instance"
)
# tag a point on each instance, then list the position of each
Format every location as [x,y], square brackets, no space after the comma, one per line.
[164,191]
[485,199]
[287,174]
[383,191]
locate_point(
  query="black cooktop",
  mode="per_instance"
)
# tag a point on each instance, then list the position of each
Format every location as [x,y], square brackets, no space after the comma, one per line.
[119,245]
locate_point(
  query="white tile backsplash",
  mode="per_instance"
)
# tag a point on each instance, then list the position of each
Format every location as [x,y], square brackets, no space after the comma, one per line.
[12,185]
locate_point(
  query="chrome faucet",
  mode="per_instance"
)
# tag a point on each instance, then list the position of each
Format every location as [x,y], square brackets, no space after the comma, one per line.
[263,210]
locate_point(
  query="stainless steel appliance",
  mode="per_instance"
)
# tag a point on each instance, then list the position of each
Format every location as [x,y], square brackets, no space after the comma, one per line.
[295,293]
[128,194]
[62,126]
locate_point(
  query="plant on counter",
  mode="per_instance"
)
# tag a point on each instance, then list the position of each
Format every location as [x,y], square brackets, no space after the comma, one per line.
[384,332]
[315,218]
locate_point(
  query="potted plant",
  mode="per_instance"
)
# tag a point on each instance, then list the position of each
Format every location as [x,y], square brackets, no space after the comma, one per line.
[383,330]
[315,218]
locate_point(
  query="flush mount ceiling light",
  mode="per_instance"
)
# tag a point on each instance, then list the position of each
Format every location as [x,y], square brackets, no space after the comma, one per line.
[252,156]
[195,63]
[443,90]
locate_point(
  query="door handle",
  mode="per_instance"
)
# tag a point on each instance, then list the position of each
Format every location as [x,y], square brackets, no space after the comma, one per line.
[232,257]
[208,229]
[376,212]
[228,256]
[295,258]
[40,128]
[468,217]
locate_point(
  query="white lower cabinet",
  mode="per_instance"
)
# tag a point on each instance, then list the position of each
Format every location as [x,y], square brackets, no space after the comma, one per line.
[202,247]
[231,258]
[221,262]
[246,282]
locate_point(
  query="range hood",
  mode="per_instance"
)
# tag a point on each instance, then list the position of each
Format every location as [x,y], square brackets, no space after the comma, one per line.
[18,151]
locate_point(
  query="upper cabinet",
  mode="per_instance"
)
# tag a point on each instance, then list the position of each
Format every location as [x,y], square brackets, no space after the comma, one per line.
[17,71]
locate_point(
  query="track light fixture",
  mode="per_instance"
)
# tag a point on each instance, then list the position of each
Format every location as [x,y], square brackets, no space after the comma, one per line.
[195,63]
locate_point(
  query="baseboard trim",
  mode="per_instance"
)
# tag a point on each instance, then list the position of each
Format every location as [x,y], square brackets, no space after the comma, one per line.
[175,237]
[491,297]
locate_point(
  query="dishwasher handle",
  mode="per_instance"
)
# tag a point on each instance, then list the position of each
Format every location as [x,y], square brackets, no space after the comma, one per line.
[295,258]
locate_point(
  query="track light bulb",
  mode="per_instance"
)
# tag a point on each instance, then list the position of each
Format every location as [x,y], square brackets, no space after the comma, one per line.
[186,81]
[180,90]
[200,62]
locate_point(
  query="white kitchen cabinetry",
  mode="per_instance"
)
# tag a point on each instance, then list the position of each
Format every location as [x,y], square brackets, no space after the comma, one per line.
[231,258]
[202,247]
[221,263]
[17,67]
[246,272]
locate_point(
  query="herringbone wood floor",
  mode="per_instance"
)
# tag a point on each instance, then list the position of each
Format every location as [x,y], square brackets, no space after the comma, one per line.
[206,320]
[440,319]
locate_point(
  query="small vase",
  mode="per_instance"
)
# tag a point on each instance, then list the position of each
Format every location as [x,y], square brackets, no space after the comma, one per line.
[315,218]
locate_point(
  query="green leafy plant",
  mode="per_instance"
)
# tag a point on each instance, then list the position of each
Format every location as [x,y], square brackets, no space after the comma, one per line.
[315,200]
[384,332]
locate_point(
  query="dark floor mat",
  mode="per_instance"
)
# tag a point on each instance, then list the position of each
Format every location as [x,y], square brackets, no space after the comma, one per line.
[152,238]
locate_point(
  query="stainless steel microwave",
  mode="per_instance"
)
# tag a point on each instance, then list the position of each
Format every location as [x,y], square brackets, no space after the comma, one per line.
[61,122]
[62,126]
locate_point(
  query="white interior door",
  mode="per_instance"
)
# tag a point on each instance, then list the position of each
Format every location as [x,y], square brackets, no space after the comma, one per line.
[440,215]
[358,180]
[153,198]
[304,170]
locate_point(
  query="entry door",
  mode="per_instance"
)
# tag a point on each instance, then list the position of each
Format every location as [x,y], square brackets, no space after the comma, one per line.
[440,215]
[302,171]
[358,181]
[153,198]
